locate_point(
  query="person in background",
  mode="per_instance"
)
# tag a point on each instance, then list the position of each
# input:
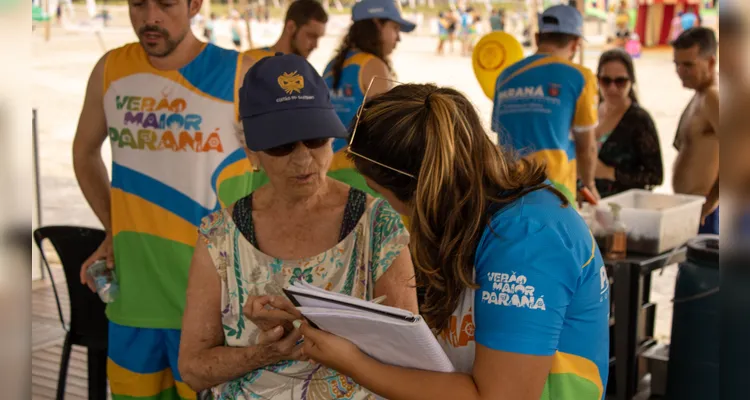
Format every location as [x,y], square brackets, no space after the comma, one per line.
[675,28]
[443,24]
[522,307]
[235,28]
[466,34]
[629,154]
[302,225]
[164,180]
[452,26]
[541,99]
[304,25]
[209,29]
[364,54]
[696,169]
[688,20]
[475,30]
[496,20]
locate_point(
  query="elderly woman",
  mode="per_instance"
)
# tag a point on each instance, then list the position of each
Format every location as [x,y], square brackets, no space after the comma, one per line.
[302,225]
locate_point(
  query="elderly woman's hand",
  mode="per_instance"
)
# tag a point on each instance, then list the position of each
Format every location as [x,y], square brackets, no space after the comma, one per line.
[330,350]
[268,312]
[277,347]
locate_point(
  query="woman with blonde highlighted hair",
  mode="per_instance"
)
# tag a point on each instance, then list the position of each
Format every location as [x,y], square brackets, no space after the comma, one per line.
[516,288]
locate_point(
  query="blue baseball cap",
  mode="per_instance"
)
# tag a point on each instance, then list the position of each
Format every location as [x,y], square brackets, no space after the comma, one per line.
[561,19]
[381,9]
[284,100]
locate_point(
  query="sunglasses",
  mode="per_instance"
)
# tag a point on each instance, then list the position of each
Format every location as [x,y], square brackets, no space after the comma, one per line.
[287,149]
[349,149]
[620,82]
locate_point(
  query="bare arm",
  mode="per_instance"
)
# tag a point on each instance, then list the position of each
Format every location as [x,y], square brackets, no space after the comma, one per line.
[585,120]
[204,361]
[711,111]
[496,375]
[91,133]
[375,68]
[398,284]
[586,156]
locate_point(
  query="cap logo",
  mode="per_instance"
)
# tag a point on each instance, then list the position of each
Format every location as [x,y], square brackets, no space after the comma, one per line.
[291,82]
[375,10]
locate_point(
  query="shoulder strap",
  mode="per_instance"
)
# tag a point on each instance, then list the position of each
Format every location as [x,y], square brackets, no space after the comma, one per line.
[355,208]
[242,215]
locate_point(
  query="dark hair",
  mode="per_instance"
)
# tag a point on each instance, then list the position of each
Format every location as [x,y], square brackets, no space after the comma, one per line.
[302,11]
[435,134]
[363,35]
[556,39]
[700,36]
[621,56]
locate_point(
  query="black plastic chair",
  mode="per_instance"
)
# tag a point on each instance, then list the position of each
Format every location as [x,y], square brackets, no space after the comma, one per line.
[88,323]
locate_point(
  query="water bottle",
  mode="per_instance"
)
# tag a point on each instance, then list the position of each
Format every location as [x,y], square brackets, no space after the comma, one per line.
[104,280]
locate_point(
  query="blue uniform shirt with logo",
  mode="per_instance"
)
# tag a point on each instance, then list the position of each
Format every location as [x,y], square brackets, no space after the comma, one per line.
[539,103]
[543,290]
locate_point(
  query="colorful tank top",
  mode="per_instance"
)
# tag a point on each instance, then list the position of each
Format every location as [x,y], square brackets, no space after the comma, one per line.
[175,159]
[372,237]
[346,99]
[259,53]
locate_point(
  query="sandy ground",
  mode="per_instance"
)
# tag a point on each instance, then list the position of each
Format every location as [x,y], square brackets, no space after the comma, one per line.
[61,68]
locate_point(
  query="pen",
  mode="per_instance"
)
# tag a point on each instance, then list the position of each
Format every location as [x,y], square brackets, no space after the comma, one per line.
[380,299]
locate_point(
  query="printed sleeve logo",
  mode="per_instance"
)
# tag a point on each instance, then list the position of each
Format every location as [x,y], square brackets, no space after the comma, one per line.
[603,284]
[291,82]
[512,291]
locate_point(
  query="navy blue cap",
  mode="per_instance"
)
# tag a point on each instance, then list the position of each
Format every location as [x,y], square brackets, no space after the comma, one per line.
[561,19]
[284,100]
[381,9]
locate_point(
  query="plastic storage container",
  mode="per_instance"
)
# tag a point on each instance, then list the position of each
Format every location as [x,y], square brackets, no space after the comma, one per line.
[655,222]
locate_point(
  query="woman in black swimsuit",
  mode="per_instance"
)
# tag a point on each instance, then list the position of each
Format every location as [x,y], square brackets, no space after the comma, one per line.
[630,155]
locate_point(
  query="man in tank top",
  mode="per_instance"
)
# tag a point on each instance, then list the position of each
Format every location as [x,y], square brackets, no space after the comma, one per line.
[304,25]
[167,104]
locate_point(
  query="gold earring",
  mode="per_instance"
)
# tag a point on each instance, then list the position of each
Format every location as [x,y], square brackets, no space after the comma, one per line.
[256,168]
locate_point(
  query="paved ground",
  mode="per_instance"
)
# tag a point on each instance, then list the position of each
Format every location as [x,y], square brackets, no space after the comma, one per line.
[61,67]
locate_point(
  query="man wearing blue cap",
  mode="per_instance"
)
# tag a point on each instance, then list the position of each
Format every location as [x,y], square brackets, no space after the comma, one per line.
[364,53]
[541,99]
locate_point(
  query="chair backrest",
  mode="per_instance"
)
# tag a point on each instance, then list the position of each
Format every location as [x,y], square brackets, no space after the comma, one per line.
[74,245]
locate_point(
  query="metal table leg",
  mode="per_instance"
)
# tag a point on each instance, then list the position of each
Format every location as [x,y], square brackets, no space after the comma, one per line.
[626,316]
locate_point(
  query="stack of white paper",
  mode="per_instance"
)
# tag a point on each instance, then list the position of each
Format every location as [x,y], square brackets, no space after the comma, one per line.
[391,335]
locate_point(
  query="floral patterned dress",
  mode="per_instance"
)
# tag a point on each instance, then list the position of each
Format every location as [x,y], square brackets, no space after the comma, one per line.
[372,236]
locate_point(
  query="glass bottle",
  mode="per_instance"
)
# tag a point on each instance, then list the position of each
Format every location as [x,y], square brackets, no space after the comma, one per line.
[617,237]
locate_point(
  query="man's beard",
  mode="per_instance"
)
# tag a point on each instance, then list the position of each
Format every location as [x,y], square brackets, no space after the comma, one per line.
[169,43]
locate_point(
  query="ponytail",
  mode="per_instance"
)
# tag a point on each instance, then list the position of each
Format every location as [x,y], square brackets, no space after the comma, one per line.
[436,135]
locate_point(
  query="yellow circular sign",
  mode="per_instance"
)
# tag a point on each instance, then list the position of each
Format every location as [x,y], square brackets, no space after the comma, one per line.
[492,54]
